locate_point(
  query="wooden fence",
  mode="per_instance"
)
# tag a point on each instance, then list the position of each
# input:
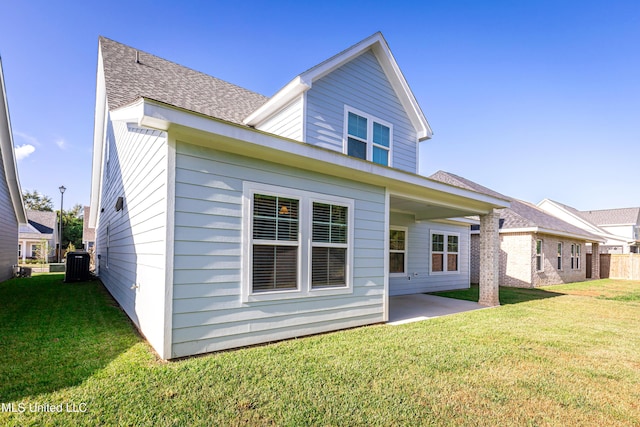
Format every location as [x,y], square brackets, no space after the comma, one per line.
[617,266]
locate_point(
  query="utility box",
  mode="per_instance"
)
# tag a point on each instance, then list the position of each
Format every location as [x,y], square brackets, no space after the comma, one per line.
[77,267]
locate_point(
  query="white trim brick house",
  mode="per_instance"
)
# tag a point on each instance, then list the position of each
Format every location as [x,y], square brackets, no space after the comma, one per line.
[12,212]
[225,218]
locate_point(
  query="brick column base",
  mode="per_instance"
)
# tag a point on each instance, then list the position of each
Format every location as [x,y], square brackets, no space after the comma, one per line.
[489,259]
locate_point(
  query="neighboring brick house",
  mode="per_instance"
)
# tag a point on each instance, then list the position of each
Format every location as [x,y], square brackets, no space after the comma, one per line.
[620,228]
[536,248]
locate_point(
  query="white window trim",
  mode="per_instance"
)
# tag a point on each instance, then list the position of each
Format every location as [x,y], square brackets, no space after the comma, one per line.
[445,252]
[575,256]
[541,255]
[370,119]
[405,251]
[305,221]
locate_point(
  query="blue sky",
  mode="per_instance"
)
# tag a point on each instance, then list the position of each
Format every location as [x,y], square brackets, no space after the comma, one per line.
[537,99]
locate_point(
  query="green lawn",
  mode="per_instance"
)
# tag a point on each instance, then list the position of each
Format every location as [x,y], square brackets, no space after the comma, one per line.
[564,355]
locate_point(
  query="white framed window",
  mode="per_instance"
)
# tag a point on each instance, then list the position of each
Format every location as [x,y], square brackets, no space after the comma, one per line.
[275,243]
[34,251]
[367,137]
[445,251]
[559,256]
[398,251]
[297,243]
[539,265]
[575,257]
[329,245]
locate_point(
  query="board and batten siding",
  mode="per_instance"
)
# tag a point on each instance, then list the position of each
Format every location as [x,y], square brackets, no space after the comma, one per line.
[287,122]
[208,310]
[8,228]
[131,243]
[361,84]
[419,258]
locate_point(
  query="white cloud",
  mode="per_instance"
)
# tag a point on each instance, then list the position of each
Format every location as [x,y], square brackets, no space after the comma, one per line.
[23,151]
[31,140]
[61,143]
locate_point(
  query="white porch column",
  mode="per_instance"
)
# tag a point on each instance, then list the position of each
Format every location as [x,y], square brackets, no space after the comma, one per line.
[489,259]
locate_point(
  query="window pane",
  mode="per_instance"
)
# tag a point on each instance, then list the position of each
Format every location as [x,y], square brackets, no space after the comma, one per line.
[357,126]
[275,218]
[380,156]
[538,247]
[396,262]
[452,244]
[538,262]
[380,134]
[287,230]
[264,205]
[338,214]
[329,223]
[437,262]
[274,267]
[264,228]
[437,242]
[396,240]
[452,262]
[328,267]
[357,149]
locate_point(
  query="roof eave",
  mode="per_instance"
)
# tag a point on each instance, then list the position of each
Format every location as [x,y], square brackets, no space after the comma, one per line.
[8,157]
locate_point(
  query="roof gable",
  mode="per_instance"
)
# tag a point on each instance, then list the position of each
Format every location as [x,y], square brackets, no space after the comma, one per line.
[302,83]
[43,221]
[130,74]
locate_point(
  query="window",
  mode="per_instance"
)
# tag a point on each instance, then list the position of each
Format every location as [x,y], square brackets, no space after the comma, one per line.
[19,251]
[34,251]
[444,252]
[329,245]
[367,137]
[398,250]
[560,256]
[275,243]
[297,243]
[575,257]
[538,255]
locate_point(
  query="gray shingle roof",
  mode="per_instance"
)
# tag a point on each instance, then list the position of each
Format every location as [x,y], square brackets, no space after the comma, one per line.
[42,221]
[521,214]
[612,216]
[155,78]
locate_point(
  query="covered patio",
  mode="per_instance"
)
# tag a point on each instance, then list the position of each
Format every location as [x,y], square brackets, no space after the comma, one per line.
[414,308]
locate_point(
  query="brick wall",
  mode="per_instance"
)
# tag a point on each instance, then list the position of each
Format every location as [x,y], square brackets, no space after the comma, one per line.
[551,275]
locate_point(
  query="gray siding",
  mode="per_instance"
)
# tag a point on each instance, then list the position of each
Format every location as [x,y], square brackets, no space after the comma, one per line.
[209,314]
[8,228]
[287,122]
[136,171]
[419,258]
[362,84]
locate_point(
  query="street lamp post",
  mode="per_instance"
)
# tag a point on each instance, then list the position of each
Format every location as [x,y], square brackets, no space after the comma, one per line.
[62,189]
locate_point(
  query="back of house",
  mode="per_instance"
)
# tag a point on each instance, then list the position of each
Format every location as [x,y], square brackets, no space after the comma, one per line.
[225,218]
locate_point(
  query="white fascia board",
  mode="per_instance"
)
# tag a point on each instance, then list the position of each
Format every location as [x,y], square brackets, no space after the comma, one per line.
[99,127]
[551,232]
[278,101]
[262,145]
[8,154]
[586,225]
[455,221]
[304,82]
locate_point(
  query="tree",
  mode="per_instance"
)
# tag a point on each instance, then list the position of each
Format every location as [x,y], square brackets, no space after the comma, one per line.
[72,227]
[36,201]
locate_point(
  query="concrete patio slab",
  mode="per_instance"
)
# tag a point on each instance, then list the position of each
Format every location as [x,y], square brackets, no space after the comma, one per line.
[414,308]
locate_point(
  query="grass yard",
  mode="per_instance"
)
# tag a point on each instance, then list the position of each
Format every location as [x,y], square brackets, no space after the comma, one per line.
[566,355]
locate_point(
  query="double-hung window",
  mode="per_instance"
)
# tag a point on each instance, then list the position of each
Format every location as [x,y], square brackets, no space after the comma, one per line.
[559,255]
[297,243]
[275,243]
[398,251]
[575,257]
[329,245]
[444,252]
[368,137]
[539,255]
